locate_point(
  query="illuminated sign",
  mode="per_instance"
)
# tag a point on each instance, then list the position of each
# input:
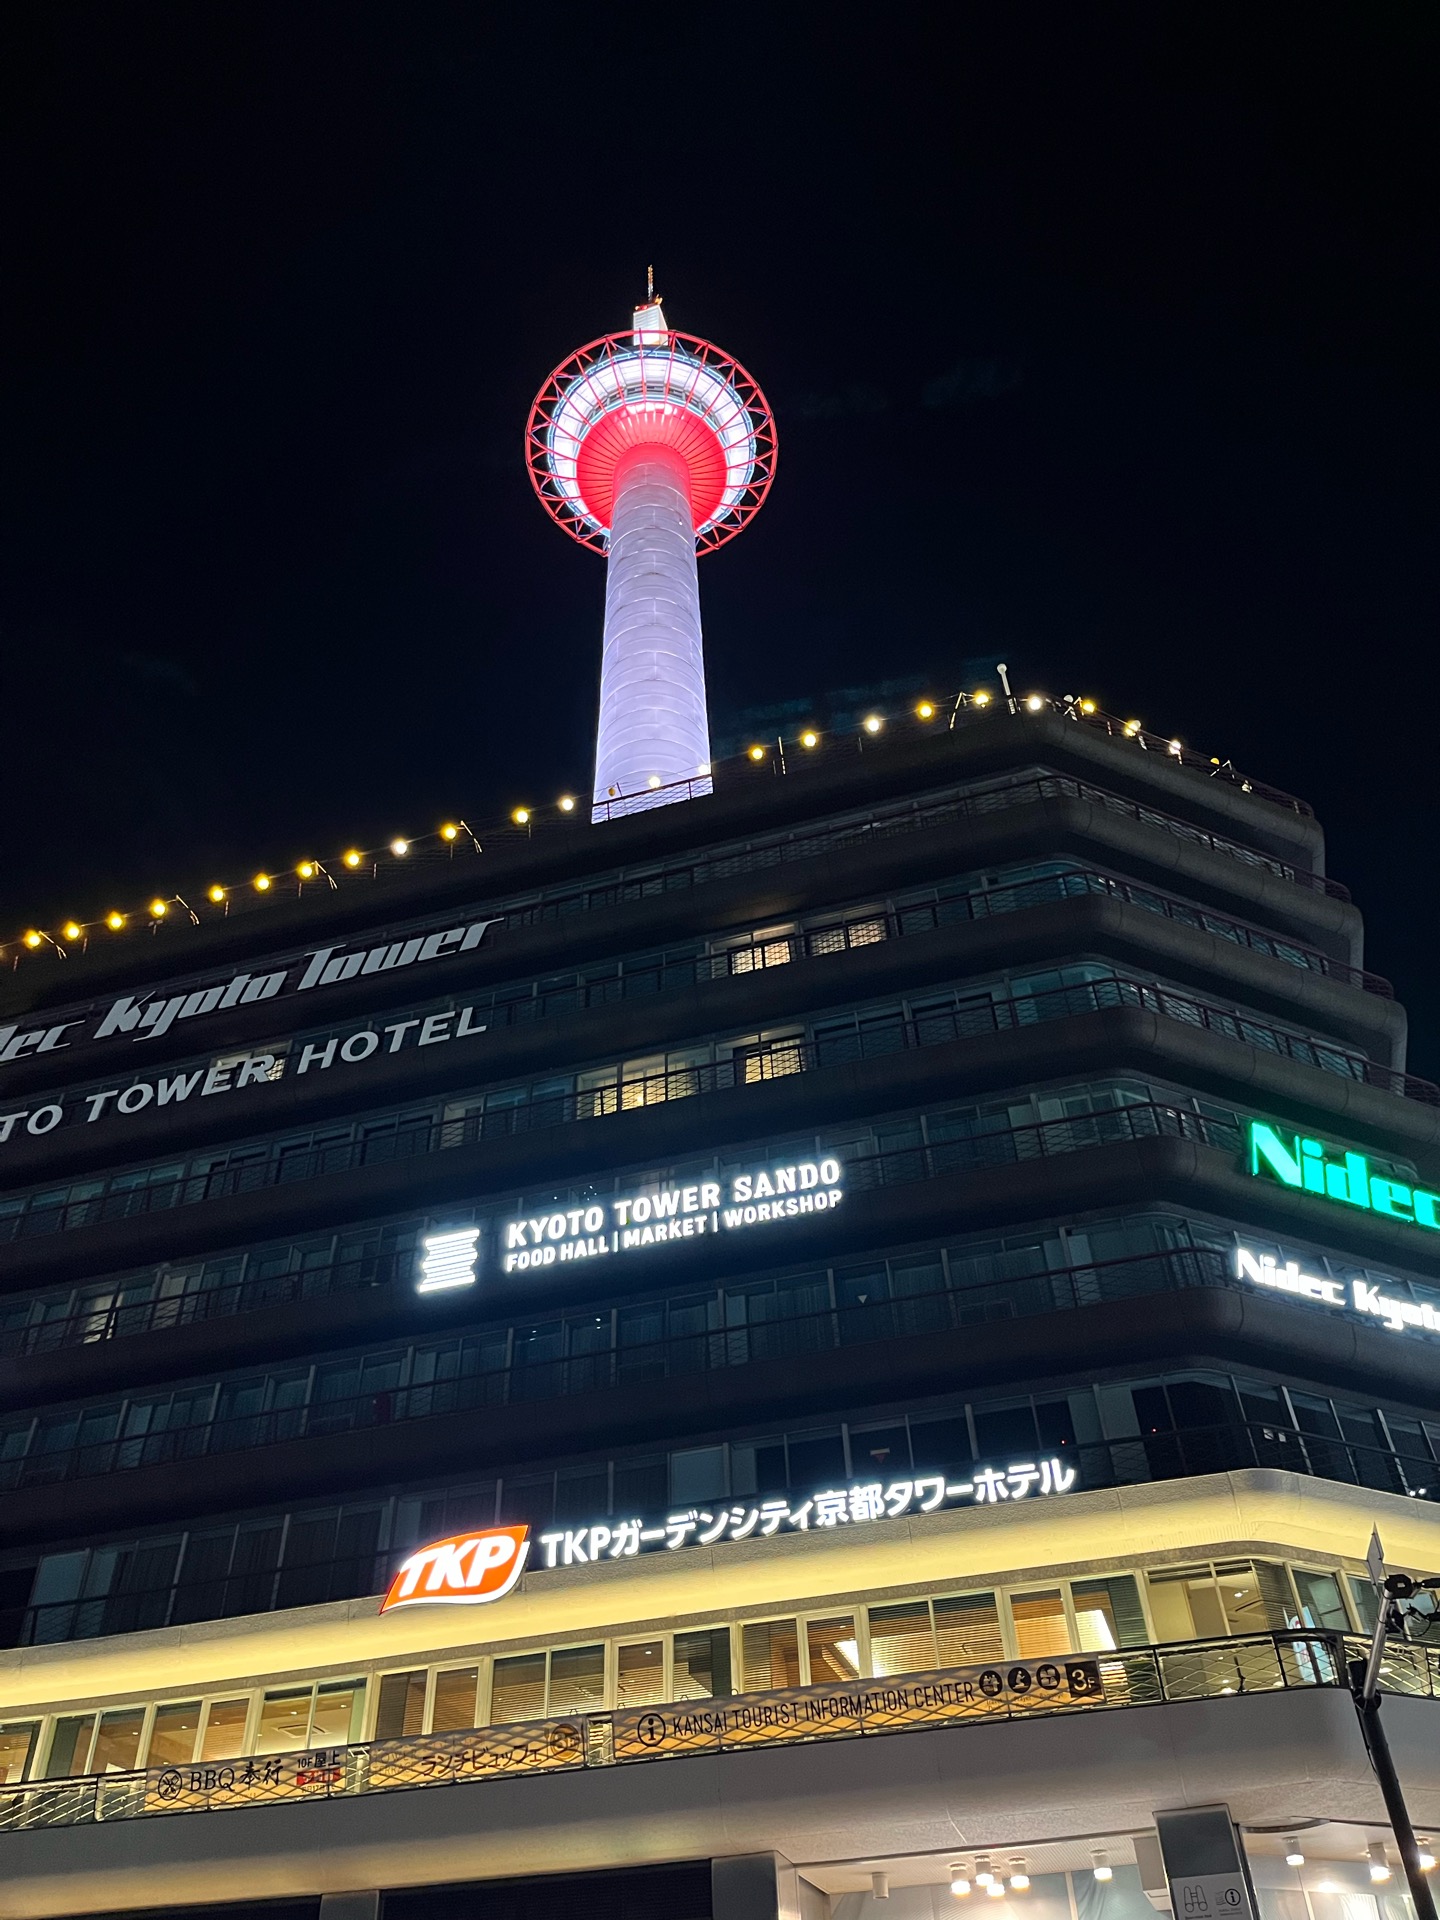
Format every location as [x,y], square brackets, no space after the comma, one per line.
[1362,1296]
[1336,1173]
[657,1216]
[146,1016]
[472,1566]
[835,1507]
[466,1570]
[449,1260]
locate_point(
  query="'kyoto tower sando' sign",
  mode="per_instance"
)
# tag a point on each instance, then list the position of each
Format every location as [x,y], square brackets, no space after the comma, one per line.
[651,447]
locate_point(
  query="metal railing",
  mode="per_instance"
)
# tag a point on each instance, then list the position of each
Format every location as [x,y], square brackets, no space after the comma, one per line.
[624,1365]
[123,1195]
[1000,798]
[947,1698]
[399,862]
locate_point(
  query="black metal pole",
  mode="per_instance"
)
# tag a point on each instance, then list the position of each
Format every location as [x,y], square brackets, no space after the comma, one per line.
[1378,1748]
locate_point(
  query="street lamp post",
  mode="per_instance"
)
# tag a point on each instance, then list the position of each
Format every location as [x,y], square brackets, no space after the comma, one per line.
[1365,1688]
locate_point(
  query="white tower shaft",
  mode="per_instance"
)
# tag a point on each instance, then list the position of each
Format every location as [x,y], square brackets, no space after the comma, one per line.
[653,730]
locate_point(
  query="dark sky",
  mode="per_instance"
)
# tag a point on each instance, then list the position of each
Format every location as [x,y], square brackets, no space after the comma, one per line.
[1102,338]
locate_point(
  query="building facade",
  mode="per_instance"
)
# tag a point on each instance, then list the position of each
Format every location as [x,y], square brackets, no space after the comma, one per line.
[896,1292]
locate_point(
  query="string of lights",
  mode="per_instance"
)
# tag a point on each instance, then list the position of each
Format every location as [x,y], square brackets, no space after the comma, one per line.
[220,897]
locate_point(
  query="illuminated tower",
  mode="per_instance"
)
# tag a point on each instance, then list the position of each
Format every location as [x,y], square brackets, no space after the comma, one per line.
[651,447]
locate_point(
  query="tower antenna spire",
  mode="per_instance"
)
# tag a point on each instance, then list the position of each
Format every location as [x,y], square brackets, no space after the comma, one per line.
[651,447]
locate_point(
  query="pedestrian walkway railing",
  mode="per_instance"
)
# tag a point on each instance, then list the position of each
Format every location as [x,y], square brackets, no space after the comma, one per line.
[949,1699]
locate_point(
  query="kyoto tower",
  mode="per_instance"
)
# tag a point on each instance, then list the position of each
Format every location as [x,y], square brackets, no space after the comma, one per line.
[651,447]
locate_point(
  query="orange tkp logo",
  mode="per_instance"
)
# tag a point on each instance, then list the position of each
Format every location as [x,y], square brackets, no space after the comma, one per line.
[461,1571]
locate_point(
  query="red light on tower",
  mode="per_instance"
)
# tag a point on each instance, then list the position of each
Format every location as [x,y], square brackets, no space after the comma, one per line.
[651,447]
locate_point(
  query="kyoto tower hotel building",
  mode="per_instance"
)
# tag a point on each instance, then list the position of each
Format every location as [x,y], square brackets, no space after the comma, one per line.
[828,1343]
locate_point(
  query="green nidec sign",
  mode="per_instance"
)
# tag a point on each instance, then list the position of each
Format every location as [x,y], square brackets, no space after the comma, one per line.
[1311,1167]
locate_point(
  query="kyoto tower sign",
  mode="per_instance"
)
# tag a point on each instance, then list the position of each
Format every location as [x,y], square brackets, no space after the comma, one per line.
[651,447]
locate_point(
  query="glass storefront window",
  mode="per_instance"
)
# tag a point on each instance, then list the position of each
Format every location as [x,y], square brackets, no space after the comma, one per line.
[172,1738]
[518,1689]
[577,1679]
[17,1743]
[702,1664]
[1321,1602]
[339,1706]
[1040,1623]
[402,1705]
[901,1639]
[640,1674]
[455,1695]
[967,1630]
[117,1744]
[1108,1614]
[224,1737]
[284,1721]
[771,1655]
[69,1746]
[833,1650]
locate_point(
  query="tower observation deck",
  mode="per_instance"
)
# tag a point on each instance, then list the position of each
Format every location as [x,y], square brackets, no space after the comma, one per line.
[651,447]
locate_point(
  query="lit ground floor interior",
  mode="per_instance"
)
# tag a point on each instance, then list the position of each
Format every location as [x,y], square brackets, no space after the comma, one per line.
[802,1832]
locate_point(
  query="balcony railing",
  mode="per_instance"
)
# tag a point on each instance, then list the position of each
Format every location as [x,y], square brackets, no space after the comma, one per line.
[134,1192]
[951,1698]
[529,1377]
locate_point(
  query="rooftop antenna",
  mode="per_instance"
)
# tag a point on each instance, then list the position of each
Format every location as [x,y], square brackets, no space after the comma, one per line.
[649,286]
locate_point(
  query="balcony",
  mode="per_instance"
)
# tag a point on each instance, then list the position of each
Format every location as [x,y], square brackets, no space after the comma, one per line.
[956,1697]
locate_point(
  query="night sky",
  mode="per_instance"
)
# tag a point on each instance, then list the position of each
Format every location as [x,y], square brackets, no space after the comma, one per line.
[1100,339]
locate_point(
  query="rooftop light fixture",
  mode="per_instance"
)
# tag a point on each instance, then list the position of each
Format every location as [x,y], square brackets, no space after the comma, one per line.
[959,1879]
[1102,1868]
[1379,1864]
[1293,1856]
